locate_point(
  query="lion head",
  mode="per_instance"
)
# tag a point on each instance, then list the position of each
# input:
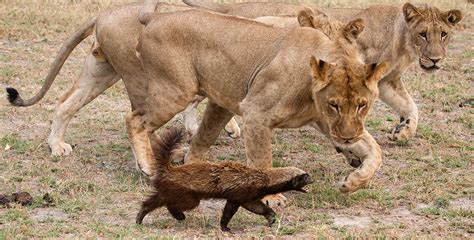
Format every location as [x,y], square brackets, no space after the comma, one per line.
[430,30]
[345,89]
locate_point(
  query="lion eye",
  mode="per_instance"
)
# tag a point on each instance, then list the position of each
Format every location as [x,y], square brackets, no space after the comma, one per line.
[444,34]
[334,106]
[361,106]
[423,35]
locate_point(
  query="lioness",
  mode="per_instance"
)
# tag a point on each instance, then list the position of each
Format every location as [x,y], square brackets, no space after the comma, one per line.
[111,58]
[265,74]
[397,35]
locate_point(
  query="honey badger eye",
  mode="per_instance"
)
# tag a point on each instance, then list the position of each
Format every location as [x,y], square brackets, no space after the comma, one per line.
[423,35]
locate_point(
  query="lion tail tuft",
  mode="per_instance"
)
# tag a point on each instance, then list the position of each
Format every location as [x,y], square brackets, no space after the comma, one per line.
[14,97]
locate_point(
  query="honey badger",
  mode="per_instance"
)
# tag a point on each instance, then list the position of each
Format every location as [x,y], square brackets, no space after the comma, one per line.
[181,188]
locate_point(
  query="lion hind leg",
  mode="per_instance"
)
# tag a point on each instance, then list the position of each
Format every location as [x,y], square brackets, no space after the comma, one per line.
[191,122]
[232,128]
[215,118]
[95,78]
[166,98]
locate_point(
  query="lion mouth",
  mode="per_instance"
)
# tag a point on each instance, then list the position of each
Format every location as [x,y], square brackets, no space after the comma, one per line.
[345,141]
[431,68]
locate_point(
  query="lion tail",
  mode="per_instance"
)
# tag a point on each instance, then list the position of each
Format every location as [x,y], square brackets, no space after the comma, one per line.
[163,148]
[206,4]
[79,35]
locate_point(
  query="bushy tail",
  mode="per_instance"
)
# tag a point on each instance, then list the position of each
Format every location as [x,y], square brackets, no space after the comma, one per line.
[206,4]
[81,33]
[162,149]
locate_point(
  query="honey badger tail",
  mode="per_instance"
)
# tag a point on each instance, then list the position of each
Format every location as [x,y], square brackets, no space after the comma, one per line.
[167,142]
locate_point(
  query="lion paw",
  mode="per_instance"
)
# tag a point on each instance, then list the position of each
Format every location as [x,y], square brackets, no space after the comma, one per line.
[275,200]
[178,155]
[403,131]
[232,128]
[351,184]
[60,149]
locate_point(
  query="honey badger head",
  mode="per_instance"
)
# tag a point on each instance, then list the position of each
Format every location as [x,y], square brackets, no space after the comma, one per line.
[289,178]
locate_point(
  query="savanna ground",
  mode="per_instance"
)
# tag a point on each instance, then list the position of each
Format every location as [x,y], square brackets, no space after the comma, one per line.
[424,187]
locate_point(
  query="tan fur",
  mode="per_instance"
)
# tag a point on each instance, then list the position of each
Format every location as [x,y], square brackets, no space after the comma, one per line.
[112,57]
[265,76]
[393,36]
[181,188]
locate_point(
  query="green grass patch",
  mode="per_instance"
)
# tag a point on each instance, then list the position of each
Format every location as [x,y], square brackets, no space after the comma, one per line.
[16,143]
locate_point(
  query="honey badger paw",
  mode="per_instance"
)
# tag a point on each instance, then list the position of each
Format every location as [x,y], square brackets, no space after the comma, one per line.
[232,128]
[60,148]
[405,130]
[275,200]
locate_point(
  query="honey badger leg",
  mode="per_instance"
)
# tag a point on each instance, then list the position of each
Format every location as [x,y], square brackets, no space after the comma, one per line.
[176,213]
[258,207]
[229,210]
[149,205]
[393,92]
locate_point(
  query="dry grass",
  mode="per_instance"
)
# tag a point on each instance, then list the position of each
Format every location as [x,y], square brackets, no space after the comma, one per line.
[424,188]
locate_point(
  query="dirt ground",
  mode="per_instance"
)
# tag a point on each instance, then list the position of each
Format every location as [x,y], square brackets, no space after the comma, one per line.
[423,189]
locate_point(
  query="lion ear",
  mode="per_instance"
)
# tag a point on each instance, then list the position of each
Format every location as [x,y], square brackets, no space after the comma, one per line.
[410,12]
[452,17]
[354,28]
[374,72]
[305,18]
[319,69]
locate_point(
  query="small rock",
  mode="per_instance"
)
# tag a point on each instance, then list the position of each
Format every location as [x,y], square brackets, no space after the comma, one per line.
[43,214]
[352,221]
[5,199]
[23,198]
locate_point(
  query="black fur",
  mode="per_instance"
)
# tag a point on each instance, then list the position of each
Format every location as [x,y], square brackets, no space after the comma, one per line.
[12,94]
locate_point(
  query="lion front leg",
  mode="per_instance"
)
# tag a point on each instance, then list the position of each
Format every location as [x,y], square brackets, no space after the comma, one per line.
[258,149]
[370,156]
[393,92]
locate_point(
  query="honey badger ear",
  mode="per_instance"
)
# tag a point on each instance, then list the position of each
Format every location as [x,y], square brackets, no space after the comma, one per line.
[354,28]
[452,17]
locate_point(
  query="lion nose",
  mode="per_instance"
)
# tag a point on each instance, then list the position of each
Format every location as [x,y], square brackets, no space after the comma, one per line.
[435,60]
[347,139]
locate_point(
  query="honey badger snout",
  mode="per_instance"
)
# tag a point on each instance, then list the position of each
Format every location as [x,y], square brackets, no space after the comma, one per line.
[301,181]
